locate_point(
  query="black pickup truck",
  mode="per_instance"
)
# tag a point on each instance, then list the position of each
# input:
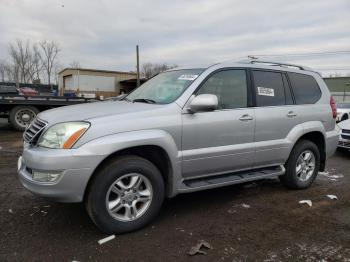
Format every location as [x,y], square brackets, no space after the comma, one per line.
[21,110]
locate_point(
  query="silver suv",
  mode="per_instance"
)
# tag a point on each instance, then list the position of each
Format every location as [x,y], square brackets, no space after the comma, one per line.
[182,131]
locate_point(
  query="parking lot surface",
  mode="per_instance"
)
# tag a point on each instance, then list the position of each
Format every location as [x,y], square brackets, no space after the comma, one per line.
[260,221]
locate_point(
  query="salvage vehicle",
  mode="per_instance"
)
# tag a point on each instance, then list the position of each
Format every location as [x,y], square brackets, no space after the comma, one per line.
[344,137]
[343,111]
[21,110]
[182,131]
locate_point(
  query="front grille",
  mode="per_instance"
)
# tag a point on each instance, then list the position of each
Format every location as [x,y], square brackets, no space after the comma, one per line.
[33,131]
[345,131]
[344,144]
[345,137]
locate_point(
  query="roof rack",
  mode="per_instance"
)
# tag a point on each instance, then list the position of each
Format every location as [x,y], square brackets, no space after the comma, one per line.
[274,63]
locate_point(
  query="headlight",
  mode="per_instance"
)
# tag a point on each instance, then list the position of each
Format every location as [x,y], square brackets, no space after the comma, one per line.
[63,135]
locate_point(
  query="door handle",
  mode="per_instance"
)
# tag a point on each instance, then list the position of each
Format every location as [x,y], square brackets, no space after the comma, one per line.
[291,114]
[246,117]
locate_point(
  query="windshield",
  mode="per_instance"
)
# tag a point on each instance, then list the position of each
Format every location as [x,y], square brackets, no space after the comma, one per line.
[164,88]
[343,105]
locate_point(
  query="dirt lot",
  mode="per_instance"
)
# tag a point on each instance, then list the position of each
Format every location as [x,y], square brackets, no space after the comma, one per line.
[271,226]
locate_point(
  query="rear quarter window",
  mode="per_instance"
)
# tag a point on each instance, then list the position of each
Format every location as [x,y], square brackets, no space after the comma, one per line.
[305,88]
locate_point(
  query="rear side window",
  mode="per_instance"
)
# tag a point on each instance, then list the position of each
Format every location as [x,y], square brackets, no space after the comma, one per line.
[305,88]
[269,88]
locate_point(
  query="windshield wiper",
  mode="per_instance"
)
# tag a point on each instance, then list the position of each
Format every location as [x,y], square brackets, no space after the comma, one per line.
[126,99]
[144,100]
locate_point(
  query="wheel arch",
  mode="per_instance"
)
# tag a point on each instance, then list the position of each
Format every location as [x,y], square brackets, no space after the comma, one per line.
[161,151]
[317,137]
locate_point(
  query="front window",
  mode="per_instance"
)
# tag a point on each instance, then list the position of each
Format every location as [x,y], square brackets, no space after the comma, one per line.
[164,88]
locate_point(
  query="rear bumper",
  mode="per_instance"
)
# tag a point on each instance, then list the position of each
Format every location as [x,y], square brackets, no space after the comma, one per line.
[332,138]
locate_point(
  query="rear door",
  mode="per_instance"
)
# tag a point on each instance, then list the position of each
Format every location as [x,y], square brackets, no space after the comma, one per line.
[220,141]
[275,114]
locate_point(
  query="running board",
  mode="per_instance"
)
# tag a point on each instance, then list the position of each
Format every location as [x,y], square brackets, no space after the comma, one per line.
[196,184]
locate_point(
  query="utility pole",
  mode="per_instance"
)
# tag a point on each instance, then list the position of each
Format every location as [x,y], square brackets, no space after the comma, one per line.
[137,66]
[344,96]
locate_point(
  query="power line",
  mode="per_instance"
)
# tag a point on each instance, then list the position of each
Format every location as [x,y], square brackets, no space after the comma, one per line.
[339,52]
[336,69]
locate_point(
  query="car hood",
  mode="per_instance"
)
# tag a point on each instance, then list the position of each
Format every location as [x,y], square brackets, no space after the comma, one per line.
[94,110]
[342,110]
[344,124]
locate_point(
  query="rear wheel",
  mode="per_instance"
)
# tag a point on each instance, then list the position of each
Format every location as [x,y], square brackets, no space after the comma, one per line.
[302,165]
[125,195]
[22,116]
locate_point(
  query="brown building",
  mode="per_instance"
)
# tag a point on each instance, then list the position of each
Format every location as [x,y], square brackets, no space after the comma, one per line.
[92,81]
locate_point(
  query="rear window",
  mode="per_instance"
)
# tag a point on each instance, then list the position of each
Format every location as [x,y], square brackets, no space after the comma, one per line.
[305,88]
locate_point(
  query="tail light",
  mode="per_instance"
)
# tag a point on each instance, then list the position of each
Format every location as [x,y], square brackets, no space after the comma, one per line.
[334,107]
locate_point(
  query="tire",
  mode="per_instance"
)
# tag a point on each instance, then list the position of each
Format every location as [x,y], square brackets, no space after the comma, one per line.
[22,116]
[301,180]
[100,193]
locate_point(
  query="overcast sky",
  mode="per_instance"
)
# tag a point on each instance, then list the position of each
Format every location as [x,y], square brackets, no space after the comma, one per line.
[102,34]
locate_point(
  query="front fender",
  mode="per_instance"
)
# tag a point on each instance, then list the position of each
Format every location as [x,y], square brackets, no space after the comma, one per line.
[107,145]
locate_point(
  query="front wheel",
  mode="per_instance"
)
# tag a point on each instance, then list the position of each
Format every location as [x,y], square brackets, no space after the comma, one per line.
[302,165]
[125,195]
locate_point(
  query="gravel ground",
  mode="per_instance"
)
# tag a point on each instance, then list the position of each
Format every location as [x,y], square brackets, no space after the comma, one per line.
[260,221]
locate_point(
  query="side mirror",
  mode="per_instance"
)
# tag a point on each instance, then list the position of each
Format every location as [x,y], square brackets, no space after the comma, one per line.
[204,103]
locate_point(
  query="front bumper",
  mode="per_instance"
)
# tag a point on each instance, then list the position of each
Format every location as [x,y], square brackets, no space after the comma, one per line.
[344,140]
[75,166]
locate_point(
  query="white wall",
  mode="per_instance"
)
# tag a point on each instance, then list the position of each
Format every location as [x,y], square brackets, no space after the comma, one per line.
[68,82]
[94,83]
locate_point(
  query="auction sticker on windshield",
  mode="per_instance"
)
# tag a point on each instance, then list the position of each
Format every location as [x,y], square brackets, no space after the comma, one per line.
[188,77]
[264,91]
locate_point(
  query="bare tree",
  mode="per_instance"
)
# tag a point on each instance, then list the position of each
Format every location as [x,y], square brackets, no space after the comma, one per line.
[20,54]
[75,64]
[3,75]
[48,57]
[37,65]
[57,68]
[26,64]
[11,73]
[150,69]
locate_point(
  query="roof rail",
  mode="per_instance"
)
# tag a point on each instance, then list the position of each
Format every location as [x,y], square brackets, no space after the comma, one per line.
[274,63]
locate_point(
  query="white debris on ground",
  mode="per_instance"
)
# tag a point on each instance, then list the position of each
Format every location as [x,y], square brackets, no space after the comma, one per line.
[308,202]
[331,175]
[233,210]
[197,249]
[11,211]
[333,197]
[106,239]
[310,252]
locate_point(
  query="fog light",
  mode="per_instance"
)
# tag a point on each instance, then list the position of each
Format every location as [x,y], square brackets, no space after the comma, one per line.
[46,176]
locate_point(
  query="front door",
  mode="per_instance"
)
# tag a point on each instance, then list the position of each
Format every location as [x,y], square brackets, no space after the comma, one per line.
[220,141]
